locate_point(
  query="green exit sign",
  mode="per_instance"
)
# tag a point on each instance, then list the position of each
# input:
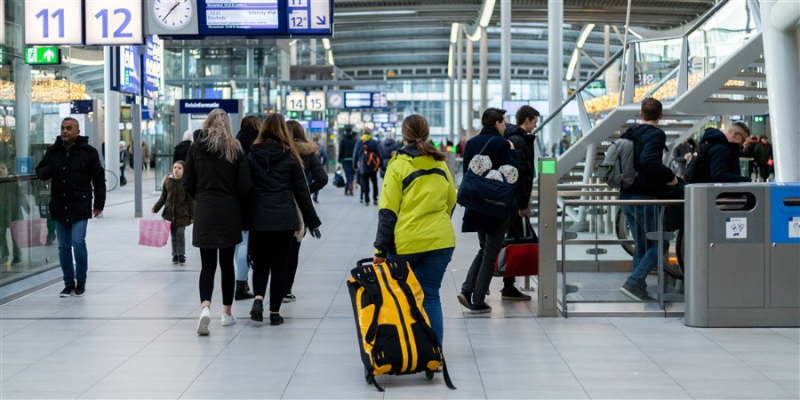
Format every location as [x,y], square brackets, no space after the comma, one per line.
[42,55]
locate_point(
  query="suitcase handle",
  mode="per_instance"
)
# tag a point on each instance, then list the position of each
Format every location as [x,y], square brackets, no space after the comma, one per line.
[363,262]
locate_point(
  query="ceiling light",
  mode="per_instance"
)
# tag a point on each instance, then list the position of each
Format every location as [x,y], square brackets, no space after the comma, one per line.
[585,35]
[326,43]
[330,57]
[370,13]
[454,33]
[486,14]
[572,63]
[638,36]
[450,62]
[475,35]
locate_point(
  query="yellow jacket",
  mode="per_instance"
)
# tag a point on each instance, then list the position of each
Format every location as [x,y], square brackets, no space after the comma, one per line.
[417,201]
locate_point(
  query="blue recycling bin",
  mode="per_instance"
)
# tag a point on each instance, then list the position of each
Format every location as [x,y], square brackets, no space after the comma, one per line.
[784,251]
[24,165]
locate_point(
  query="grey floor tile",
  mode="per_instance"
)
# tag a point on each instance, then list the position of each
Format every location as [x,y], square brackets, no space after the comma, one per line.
[625,393]
[790,385]
[533,392]
[265,393]
[35,394]
[742,389]
[139,394]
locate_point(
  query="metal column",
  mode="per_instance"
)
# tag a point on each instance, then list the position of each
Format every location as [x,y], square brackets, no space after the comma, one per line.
[470,81]
[548,234]
[111,114]
[460,87]
[505,49]
[555,61]
[452,97]
[484,72]
[136,115]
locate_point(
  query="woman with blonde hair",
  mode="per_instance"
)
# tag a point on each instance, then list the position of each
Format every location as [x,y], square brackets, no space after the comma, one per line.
[279,207]
[218,178]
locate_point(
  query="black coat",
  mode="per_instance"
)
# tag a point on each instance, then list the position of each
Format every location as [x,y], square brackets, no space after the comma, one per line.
[220,189]
[652,177]
[525,155]
[278,181]
[178,206]
[181,151]
[312,165]
[499,151]
[346,146]
[246,137]
[722,159]
[76,173]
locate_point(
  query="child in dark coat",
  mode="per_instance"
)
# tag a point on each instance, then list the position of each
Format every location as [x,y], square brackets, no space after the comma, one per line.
[178,209]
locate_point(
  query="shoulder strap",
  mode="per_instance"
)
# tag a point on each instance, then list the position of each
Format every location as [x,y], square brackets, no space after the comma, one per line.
[367,278]
[480,153]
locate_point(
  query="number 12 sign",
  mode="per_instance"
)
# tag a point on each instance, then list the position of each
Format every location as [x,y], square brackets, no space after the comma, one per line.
[46,22]
[117,22]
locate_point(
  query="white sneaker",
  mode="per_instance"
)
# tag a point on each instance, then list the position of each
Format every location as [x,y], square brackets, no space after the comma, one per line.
[205,320]
[227,320]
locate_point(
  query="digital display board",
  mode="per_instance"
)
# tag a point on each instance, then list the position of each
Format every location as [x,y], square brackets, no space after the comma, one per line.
[153,68]
[129,70]
[364,100]
[246,17]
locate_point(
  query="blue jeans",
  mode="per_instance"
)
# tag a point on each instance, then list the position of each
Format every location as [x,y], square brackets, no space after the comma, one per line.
[347,165]
[241,259]
[429,268]
[72,238]
[642,219]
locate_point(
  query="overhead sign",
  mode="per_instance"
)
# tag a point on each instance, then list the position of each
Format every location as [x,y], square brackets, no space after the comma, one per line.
[251,17]
[46,22]
[128,73]
[364,100]
[206,106]
[115,22]
[315,101]
[42,55]
[296,101]
[309,17]
[153,76]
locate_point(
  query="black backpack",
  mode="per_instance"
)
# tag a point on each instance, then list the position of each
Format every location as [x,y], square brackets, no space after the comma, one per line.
[697,168]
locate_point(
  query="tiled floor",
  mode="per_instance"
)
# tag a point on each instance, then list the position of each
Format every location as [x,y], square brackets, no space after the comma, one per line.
[133,336]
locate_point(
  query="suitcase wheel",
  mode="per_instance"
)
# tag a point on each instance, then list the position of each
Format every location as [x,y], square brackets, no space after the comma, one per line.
[429,375]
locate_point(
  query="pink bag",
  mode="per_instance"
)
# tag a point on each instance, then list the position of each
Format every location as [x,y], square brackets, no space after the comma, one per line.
[153,232]
[31,233]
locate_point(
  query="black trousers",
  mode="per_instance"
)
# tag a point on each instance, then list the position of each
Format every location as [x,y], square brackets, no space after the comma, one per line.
[208,260]
[291,264]
[268,251]
[365,179]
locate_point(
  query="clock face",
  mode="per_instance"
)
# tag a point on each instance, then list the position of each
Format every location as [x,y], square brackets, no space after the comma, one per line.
[335,100]
[173,14]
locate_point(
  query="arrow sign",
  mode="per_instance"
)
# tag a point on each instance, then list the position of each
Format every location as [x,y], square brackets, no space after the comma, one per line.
[321,20]
[42,55]
[48,55]
[320,14]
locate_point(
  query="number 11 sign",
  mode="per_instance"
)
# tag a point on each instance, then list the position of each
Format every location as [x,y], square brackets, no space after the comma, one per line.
[53,22]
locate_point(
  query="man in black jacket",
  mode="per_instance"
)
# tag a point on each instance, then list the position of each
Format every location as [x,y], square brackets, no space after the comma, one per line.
[74,166]
[651,179]
[520,136]
[721,161]
[491,230]
[346,148]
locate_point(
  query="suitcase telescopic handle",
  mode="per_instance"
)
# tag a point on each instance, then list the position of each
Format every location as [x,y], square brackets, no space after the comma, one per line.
[364,262]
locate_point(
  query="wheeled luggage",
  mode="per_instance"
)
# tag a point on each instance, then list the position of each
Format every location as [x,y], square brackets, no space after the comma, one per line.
[394,333]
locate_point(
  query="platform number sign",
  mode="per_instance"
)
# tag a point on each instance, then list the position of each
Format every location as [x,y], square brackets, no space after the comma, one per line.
[309,16]
[315,101]
[296,101]
[53,22]
[116,22]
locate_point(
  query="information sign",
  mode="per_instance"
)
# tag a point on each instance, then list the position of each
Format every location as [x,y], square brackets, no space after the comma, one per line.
[46,22]
[315,101]
[129,70]
[309,17]
[250,17]
[365,100]
[153,68]
[206,106]
[42,55]
[113,22]
[296,101]
[343,118]
[355,118]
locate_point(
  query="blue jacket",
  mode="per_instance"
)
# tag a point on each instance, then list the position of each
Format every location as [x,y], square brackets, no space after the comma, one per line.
[367,161]
[652,175]
[722,159]
[499,151]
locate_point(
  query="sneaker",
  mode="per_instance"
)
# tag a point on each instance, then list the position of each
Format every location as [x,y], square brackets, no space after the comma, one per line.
[80,289]
[512,293]
[227,320]
[465,299]
[289,298]
[366,203]
[257,312]
[16,261]
[480,309]
[635,292]
[181,260]
[275,319]
[66,292]
[205,320]
[175,259]
[375,202]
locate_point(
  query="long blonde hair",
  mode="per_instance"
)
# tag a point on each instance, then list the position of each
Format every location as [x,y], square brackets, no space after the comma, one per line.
[219,136]
[274,128]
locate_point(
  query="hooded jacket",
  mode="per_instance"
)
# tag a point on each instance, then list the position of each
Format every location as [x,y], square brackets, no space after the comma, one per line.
[278,181]
[416,204]
[366,157]
[525,155]
[76,173]
[178,206]
[246,137]
[722,158]
[346,146]
[387,149]
[315,172]
[220,189]
[649,145]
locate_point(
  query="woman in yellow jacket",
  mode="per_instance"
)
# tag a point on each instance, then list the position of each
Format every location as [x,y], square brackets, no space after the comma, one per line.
[416,203]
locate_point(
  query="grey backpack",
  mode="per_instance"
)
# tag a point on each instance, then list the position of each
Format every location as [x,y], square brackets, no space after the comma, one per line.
[617,170]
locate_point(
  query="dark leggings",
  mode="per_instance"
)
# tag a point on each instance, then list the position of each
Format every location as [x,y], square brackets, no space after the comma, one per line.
[291,264]
[268,251]
[365,180]
[208,259]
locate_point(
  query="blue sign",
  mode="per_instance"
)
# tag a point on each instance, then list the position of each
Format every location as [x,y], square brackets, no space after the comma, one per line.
[129,70]
[24,165]
[81,106]
[306,17]
[205,106]
[320,125]
[253,18]
[153,68]
[785,210]
[364,100]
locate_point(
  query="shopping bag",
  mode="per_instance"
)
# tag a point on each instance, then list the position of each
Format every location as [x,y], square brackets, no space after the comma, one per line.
[29,233]
[153,232]
[338,178]
[520,256]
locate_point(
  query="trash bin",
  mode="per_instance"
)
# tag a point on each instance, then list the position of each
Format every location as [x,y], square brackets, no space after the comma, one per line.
[740,271]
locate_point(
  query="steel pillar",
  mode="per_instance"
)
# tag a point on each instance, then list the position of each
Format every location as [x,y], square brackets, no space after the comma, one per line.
[505,48]
[460,87]
[555,73]
[470,88]
[111,113]
[484,72]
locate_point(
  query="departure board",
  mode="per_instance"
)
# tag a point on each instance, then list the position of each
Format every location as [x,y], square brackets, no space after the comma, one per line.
[276,18]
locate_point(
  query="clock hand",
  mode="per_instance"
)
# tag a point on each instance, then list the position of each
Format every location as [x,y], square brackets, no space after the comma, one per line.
[171,10]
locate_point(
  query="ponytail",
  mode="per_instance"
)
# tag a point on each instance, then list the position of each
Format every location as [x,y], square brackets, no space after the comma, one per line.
[416,131]
[426,148]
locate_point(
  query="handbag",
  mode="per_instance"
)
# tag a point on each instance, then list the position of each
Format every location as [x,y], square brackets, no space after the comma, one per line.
[338,178]
[153,232]
[520,256]
[487,196]
[29,233]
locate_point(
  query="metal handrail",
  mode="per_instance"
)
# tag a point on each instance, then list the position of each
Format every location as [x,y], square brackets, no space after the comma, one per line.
[623,202]
[707,16]
[19,178]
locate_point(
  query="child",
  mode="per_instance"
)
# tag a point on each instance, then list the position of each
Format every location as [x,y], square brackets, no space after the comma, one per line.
[178,209]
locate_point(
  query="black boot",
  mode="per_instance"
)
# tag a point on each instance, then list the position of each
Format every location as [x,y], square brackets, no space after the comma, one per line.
[257,312]
[242,291]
